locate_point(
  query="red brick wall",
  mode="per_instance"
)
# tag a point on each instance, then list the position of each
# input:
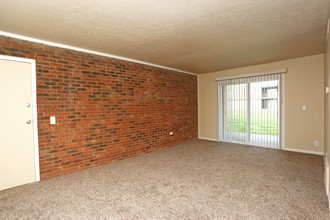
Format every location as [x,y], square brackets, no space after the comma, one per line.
[107,109]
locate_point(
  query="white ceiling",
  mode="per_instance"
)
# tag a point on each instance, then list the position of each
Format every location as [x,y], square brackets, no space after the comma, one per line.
[197,36]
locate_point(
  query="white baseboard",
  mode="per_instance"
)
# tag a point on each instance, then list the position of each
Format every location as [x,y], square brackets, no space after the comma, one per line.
[327,177]
[207,139]
[303,151]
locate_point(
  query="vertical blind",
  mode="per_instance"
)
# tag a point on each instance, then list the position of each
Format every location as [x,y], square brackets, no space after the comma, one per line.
[249,110]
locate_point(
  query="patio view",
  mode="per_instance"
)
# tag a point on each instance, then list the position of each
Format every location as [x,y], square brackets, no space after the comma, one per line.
[251,112]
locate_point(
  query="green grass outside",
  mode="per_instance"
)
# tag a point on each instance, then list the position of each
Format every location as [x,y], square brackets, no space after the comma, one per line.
[266,126]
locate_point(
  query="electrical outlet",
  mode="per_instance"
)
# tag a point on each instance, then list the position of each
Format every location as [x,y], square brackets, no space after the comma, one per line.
[171,133]
[316,143]
[52,120]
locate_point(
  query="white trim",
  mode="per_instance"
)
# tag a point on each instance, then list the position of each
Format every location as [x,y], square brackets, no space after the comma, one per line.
[89,51]
[248,112]
[207,139]
[284,70]
[220,113]
[282,111]
[17,59]
[326,175]
[35,119]
[34,108]
[246,144]
[285,149]
[303,151]
[198,108]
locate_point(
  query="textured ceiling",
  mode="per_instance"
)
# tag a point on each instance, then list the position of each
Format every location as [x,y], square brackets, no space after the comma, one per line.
[192,35]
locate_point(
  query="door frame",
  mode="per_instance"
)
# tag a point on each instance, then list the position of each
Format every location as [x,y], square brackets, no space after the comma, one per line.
[282,102]
[34,108]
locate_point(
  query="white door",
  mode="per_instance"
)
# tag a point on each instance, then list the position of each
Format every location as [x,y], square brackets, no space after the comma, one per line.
[17,151]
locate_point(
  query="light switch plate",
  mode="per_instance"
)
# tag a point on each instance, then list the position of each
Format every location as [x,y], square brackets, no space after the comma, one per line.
[52,120]
[327,89]
[316,143]
[304,107]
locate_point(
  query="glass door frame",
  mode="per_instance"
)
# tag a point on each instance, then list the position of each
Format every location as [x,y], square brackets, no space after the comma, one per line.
[281,107]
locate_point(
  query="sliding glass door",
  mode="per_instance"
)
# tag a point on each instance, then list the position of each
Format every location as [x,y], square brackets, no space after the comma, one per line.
[249,110]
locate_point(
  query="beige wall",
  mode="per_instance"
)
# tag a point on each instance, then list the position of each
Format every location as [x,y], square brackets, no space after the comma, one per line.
[304,83]
[327,102]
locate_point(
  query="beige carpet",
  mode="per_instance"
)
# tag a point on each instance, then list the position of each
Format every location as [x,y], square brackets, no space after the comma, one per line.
[195,180]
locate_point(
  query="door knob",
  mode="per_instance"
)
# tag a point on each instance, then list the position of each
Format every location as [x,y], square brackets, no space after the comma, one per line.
[28,122]
[27,105]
